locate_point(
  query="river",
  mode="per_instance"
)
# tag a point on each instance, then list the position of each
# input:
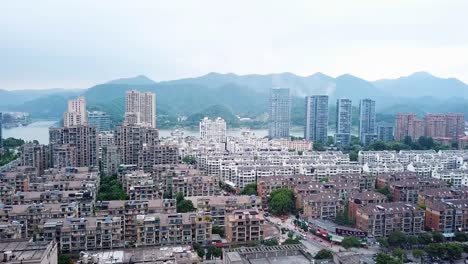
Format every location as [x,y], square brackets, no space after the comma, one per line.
[40,131]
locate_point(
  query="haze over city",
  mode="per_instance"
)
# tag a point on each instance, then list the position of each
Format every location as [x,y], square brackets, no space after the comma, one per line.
[77,44]
[189,132]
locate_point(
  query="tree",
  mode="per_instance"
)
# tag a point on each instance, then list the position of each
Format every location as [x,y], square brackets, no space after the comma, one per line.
[250,189]
[179,197]
[461,236]
[216,229]
[281,202]
[64,259]
[437,237]
[183,206]
[383,242]
[111,189]
[425,238]
[399,254]
[270,242]
[324,254]
[386,259]
[453,251]
[412,240]
[213,251]
[396,239]
[418,253]
[318,146]
[435,250]
[350,242]
[12,142]
[189,160]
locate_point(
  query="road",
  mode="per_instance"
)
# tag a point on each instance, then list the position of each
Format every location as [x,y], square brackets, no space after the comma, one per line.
[315,243]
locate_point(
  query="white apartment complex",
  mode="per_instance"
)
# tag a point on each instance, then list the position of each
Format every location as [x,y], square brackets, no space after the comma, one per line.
[140,108]
[213,130]
[76,114]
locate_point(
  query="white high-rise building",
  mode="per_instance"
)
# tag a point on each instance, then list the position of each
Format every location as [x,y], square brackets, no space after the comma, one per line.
[213,130]
[280,113]
[140,108]
[76,114]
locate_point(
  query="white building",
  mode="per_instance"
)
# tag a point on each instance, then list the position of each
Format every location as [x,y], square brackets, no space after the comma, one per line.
[76,114]
[140,108]
[213,130]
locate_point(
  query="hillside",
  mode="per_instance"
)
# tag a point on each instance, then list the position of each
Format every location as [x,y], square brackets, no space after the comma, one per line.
[247,96]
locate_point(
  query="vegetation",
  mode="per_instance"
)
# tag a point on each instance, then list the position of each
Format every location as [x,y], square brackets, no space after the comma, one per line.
[418,253]
[199,249]
[342,218]
[386,259]
[385,191]
[216,229]
[111,189]
[64,259]
[213,251]
[324,254]
[271,242]
[448,251]
[350,242]
[250,189]
[183,206]
[12,142]
[281,202]
[189,159]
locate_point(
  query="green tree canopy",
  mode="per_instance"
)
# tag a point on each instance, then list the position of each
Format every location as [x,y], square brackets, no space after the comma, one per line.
[250,189]
[281,202]
[324,254]
[350,242]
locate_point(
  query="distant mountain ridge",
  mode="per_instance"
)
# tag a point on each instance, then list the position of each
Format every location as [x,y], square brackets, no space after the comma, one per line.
[247,95]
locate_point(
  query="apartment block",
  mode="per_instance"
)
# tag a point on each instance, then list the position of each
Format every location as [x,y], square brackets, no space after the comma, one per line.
[322,205]
[140,108]
[213,130]
[360,199]
[447,216]
[407,190]
[76,114]
[280,113]
[173,229]
[37,156]
[381,220]
[244,226]
[316,118]
[343,122]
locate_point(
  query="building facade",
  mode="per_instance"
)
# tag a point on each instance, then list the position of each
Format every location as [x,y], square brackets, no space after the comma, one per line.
[213,130]
[101,120]
[385,132]
[367,128]
[76,114]
[316,118]
[140,108]
[343,122]
[280,113]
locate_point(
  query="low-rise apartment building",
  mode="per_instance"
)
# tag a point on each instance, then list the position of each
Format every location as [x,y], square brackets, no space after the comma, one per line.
[244,226]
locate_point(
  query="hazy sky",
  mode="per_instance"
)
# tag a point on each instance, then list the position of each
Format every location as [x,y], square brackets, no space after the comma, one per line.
[76,44]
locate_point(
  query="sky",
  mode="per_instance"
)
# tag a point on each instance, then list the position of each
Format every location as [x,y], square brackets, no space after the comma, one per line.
[80,43]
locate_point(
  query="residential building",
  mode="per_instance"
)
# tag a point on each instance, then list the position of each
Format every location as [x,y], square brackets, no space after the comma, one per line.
[343,122]
[381,220]
[447,216]
[140,108]
[76,114]
[213,130]
[435,125]
[407,124]
[322,205]
[384,132]
[1,130]
[367,128]
[360,199]
[244,226]
[280,113]
[173,229]
[132,140]
[23,251]
[37,156]
[101,120]
[296,253]
[316,118]
[455,126]
[80,144]
[407,190]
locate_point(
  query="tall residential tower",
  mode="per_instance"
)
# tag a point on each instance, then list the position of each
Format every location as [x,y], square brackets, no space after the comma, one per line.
[316,118]
[76,114]
[343,122]
[367,129]
[140,108]
[280,113]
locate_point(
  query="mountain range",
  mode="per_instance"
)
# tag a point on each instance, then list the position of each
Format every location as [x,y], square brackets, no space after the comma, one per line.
[247,96]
